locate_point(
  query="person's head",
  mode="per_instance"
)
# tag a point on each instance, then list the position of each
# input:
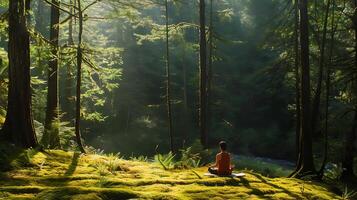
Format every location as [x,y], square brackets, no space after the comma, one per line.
[223,145]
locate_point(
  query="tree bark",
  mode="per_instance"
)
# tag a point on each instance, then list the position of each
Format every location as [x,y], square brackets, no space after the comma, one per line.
[39,18]
[79,79]
[51,135]
[67,104]
[185,103]
[210,73]
[203,76]
[18,127]
[327,95]
[350,138]
[306,157]
[168,80]
[317,98]
[297,82]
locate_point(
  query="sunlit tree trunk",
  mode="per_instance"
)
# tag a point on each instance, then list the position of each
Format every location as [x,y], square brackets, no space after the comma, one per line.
[67,104]
[203,76]
[168,79]
[79,78]
[18,127]
[51,135]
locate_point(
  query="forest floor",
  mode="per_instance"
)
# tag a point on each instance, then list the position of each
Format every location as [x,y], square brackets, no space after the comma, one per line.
[67,175]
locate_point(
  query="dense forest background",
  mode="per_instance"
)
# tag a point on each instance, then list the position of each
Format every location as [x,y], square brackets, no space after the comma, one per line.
[252,101]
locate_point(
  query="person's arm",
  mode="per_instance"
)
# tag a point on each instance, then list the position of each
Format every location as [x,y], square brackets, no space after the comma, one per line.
[215,164]
[231,165]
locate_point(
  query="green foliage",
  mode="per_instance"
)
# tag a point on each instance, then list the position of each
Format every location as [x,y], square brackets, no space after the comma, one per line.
[25,158]
[110,165]
[333,171]
[139,158]
[166,160]
[188,159]
[346,195]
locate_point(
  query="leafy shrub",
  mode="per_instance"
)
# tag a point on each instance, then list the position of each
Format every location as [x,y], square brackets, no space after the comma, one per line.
[206,155]
[166,160]
[139,158]
[347,195]
[25,159]
[109,165]
[188,159]
[333,171]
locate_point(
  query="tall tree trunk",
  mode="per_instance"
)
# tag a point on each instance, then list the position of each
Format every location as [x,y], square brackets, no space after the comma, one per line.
[210,73]
[327,95]
[350,138]
[185,103]
[39,17]
[79,78]
[203,76]
[40,27]
[297,82]
[306,157]
[18,127]
[168,79]
[317,98]
[67,104]
[51,135]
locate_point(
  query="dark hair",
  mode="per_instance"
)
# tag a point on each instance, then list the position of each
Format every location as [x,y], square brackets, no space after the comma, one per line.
[223,145]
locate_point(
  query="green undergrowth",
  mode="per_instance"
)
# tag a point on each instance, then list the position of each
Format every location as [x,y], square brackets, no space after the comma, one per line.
[55,174]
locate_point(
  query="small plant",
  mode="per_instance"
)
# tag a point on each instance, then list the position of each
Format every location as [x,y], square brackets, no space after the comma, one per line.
[92,150]
[25,159]
[109,165]
[333,171]
[139,158]
[113,164]
[189,159]
[347,195]
[102,170]
[103,182]
[166,160]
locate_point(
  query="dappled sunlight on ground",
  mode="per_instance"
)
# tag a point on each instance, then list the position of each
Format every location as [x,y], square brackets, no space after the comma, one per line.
[68,175]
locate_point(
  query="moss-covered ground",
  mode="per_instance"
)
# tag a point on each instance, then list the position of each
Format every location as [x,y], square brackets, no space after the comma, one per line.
[67,175]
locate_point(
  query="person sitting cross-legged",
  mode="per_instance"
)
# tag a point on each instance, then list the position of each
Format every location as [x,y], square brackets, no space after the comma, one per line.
[223,166]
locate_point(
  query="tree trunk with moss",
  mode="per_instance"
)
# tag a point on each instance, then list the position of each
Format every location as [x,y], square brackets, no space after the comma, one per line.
[18,127]
[79,79]
[203,76]
[168,80]
[51,135]
[68,103]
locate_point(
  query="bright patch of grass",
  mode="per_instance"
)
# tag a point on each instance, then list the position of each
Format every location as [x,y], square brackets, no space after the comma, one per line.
[68,175]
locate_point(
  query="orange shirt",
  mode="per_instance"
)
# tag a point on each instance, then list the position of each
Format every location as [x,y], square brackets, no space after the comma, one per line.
[223,162]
